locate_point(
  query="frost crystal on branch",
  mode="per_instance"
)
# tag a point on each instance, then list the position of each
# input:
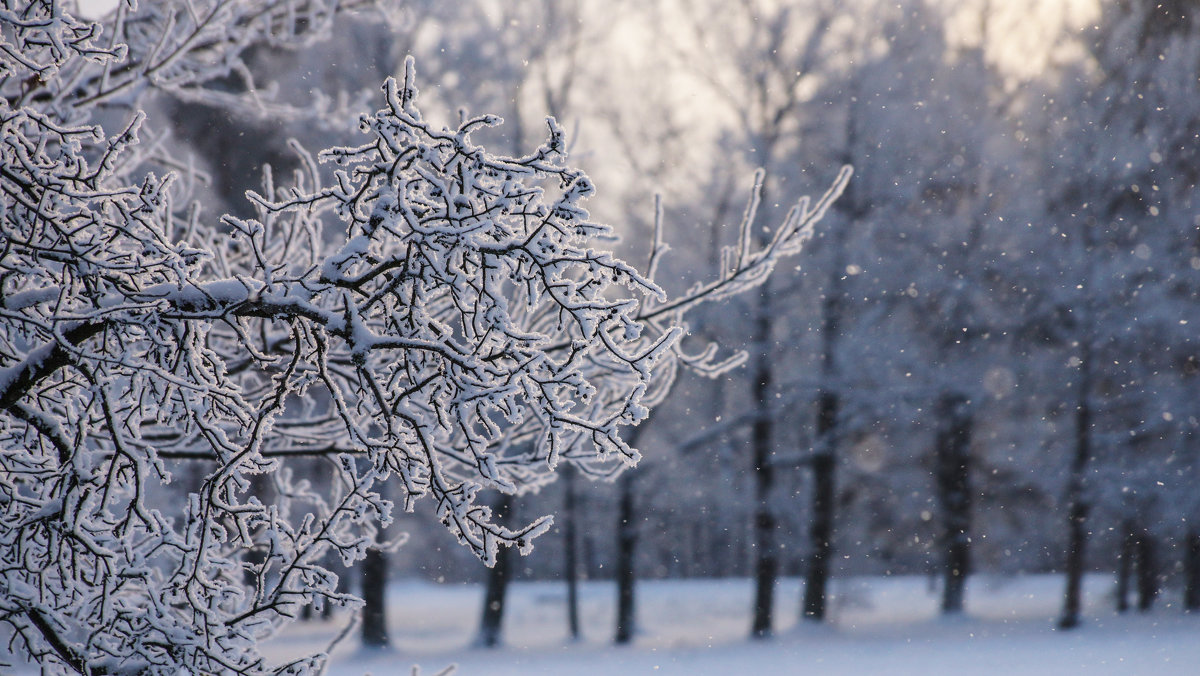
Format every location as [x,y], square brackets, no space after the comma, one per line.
[462,333]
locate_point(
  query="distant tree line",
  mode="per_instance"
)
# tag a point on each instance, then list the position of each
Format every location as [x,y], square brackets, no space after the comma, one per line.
[987,359]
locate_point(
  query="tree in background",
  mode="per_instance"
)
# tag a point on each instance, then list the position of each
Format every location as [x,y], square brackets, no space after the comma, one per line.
[781,46]
[491,619]
[910,108]
[627,533]
[462,334]
[896,338]
[1118,183]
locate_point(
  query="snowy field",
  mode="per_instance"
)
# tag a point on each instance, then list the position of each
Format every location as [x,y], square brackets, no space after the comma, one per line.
[879,626]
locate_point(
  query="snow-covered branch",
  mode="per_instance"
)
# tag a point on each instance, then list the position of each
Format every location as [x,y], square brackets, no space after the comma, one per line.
[463,331]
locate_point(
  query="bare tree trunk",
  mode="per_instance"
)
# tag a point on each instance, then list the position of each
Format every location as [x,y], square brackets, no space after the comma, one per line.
[824,461]
[1191,572]
[954,494]
[374,594]
[1147,579]
[254,556]
[492,619]
[626,544]
[1077,507]
[766,567]
[824,494]
[570,553]
[1125,565]
[374,589]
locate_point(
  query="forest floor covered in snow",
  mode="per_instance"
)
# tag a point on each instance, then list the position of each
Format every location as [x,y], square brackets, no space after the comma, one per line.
[878,626]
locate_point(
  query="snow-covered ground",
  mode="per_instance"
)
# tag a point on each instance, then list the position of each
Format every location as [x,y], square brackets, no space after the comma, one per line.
[879,626]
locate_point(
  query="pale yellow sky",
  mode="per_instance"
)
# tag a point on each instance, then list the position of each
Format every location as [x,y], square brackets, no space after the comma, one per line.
[1022,31]
[1025,35]
[94,9]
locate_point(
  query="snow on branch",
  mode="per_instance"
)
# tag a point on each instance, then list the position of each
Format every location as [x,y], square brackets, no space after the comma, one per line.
[464,332]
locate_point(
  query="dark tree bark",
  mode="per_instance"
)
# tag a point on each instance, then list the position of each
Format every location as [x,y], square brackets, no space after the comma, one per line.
[1077,506]
[374,593]
[1125,565]
[570,552]
[1077,541]
[1147,578]
[766,567]
[626,544]
[824,494]
[954,496]
[374,588]
[1191,573]
[492,619]
[255,556]
[824,460]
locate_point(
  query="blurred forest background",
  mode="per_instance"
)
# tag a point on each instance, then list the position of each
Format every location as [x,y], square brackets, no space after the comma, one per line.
[986,361]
